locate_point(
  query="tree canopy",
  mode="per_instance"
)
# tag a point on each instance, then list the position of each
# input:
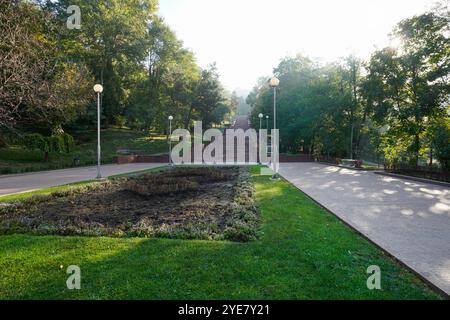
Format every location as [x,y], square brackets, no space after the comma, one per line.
[395,105]
[48,70]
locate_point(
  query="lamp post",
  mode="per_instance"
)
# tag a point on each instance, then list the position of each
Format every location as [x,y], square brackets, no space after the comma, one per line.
[98,89]
[267,126]
[261,116]
[170,140]
[274,83]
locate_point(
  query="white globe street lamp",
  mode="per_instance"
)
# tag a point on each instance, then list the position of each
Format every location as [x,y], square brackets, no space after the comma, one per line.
[170,140]
[274,83]
[267,122]
[98,89]
[261,116]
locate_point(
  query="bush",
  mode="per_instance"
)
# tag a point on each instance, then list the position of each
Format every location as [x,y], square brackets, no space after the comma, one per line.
[61,143]
[36,141]
[3,143]
[243,224]
[441,144]
[69,142]
[56,144]
[121,121]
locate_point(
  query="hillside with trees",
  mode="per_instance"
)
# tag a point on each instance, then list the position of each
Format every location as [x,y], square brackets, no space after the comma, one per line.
[394,107]
[47,72]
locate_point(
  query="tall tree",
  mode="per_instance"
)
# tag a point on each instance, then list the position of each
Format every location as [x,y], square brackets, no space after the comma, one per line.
[37,88]
[410,85]
[113,35]
[209,97]
[170,80]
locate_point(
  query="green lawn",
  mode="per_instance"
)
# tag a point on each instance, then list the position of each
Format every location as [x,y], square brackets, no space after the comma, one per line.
[16,159]
[303,253]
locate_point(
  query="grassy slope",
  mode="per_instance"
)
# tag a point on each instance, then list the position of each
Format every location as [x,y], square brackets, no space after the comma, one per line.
[304,253]
[16,159]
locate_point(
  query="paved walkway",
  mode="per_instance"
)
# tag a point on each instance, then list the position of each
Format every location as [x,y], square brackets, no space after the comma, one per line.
[410,220]
[19,183]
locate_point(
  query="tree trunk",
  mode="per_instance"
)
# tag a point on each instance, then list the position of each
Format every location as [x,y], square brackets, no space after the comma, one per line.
[359,135]
[188,118]
[351,139]
[3,143]
[431,155]
[417,149]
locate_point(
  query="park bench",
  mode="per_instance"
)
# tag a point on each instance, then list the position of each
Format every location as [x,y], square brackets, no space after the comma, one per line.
[351,163]
[129,152]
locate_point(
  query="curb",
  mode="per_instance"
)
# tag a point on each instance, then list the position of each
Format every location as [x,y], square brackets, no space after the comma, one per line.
[401,176]
[349,168]
[427,282]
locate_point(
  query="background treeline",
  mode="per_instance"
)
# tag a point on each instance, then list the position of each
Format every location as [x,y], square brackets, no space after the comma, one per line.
[47,71]
[393,107]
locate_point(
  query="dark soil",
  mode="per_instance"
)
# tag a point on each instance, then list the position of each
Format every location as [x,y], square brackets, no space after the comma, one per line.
[115,206]
[140,206]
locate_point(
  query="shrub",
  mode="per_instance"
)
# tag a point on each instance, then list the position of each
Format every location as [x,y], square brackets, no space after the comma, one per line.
[56,144]
[243,224]
[61,143]
[3,143]
[36,141]
[69,142]
[121,121]
[441,144]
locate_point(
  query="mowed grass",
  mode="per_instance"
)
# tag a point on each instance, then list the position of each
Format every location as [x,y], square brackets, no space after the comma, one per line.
[303,253]
[15,159]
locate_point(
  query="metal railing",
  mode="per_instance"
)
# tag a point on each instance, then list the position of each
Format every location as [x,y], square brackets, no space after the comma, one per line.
[433,173]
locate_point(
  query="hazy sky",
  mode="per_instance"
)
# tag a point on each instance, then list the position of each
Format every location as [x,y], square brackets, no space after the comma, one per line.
[247,38]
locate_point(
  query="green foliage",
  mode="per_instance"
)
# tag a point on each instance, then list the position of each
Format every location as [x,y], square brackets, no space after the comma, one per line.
[69,142]
[62,143]
[39,85]
[407,88]
[324,109]
[312,108]
[19,159]
[113,42]
[56,144]
[145,70]
[209,102]
[3,143]
[302,252]
[36,141]
[243,226]
[441,142]
[385,106]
